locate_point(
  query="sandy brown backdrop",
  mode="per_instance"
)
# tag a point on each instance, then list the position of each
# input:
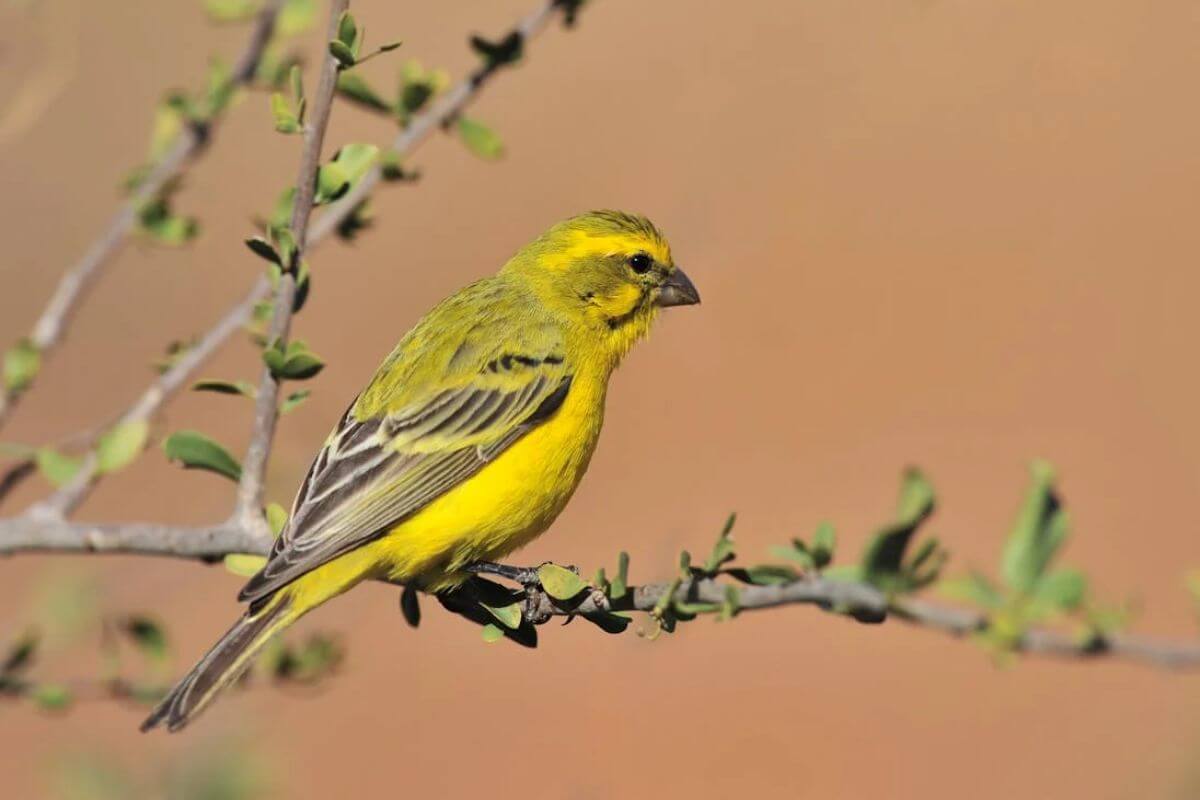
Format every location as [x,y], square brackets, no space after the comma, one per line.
[956,234]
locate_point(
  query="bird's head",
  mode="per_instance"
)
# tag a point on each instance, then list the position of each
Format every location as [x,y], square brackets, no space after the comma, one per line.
[608,271]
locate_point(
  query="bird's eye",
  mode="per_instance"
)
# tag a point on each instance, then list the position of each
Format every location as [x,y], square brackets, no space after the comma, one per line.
[640,263]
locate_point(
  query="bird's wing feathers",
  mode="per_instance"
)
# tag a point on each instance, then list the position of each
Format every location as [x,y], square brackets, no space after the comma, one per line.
[387,460]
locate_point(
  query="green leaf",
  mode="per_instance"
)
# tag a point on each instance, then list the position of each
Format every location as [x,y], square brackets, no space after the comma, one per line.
[295,17]
[21,364]
[974,587]
[57,468]
[410,606]
[157,223]
[221,88]
[286,120]
[244,565]
[294,400]
[509,616]
[559,582]
[52,696]
[1039,531]
[296,362]
[1062,590]
[120,445]
[243,388]
[620,584]
[492,633]
[277,518]
[332,183]
[732,604]
[496,54]
[770,574]
[354,88]
[343,54]
[296,81]
[196,451]
[347,30]
[20,654]
[824,543]
[148,635]
[231,10]
[884,555]
[480,139]
[723,550]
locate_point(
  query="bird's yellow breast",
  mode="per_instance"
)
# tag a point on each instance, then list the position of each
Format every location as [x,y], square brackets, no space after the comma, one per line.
[507,503]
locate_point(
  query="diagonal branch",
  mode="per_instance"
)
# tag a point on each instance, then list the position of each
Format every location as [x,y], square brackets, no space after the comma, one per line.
[266,404]
[176,377]
[56,317]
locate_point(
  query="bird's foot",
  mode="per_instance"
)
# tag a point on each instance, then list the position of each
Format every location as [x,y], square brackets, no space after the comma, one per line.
[526,576]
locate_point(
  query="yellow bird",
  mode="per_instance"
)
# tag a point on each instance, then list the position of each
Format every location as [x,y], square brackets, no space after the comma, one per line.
[468,441]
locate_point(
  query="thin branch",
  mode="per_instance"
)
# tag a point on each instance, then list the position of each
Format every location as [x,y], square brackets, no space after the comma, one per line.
[850,598]
[443,112]
[867,603]
[176,377]
[266,404]
[68,498]
[27,535]
[55,318]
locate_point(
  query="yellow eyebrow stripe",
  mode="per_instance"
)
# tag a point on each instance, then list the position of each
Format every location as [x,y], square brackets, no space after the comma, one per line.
[584,245]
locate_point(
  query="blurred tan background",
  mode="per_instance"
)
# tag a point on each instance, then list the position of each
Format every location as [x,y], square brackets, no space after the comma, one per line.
[954,234]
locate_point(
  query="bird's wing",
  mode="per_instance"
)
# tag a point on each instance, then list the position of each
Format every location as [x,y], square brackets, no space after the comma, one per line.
[386,459]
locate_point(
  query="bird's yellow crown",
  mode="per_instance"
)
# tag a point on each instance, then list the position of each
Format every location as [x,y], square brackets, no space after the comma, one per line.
[606,271]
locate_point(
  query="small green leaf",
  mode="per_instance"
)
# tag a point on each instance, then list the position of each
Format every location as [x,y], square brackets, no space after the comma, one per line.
[296,81]
[559,582]
[294,400]
[1040,530]
[353,87]
[723,550]
[731,606]
[21,364]
[231,10]
[824,543]
[620,584]
[243,388]
[120,445]
[286,120]
[295,17]
[509,616]
[332,183]
[277,518]
[492,633]
[57,468]
[1063,590]
[883,558]
[480,139]
[974,587]
[244,565]
[495,54]
[771,574]
[52,696]
[196,451]
[347,30]
[20,654]
[343,54]
[157,223]
[148,635]
[296,362]
[410,606]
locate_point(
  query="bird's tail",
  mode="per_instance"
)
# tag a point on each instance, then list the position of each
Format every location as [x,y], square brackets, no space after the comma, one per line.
[223,664]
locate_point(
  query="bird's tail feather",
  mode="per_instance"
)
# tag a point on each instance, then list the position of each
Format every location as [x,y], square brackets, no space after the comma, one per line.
[223,664]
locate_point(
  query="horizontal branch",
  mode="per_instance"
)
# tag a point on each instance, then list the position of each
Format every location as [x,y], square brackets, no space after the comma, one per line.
[30,535]
[52,324]
[851,598]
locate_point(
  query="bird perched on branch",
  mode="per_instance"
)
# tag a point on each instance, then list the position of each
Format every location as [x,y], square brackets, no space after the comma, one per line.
[468,441]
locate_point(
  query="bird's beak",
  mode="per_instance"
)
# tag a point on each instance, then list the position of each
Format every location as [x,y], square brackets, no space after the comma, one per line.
[678,291]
